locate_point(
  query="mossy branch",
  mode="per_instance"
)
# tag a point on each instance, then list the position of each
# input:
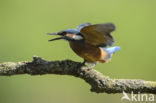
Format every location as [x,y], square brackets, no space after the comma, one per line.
[99,83]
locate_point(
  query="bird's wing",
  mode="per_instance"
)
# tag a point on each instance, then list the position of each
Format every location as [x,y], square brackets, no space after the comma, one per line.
[98,34]
[82,26]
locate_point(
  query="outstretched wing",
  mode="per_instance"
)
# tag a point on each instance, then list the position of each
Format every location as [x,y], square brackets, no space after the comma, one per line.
[98,34]
[82,26]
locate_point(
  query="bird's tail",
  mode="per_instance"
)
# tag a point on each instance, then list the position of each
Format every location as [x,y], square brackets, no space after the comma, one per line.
[112,49]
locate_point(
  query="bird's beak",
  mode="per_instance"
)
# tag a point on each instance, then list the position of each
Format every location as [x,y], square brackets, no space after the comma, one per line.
[67,37]
[52,33]
[56,39]
[63,37]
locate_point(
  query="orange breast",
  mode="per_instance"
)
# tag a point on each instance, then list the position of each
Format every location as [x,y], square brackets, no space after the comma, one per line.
[88,52]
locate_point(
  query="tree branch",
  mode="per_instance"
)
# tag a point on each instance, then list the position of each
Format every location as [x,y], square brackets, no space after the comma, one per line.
[99,83]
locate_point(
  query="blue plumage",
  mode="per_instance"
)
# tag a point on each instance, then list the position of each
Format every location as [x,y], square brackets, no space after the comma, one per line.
[112,49]
[72,31]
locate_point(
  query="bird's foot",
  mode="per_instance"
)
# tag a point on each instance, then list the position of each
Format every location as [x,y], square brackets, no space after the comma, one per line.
[89,65]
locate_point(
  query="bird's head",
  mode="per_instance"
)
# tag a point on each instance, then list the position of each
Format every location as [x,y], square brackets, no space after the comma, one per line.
[68,34]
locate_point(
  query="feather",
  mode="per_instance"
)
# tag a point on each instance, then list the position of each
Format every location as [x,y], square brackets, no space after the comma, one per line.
[112,49]
[82,26]
[98,34]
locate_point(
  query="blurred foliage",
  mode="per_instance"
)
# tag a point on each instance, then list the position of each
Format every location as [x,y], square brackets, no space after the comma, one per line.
[23,28]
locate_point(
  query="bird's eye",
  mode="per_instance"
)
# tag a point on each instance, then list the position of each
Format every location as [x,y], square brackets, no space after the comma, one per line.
[63,33]
[79,34]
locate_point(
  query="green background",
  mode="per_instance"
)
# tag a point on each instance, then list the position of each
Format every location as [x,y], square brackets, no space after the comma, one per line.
[23,28]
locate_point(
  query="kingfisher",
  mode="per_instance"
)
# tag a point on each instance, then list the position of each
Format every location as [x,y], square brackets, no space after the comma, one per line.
[94,43]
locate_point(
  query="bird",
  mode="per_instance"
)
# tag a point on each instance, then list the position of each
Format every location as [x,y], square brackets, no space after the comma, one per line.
[93,42]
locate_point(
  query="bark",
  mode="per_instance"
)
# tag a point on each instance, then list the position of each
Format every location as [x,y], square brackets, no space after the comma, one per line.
[99,82]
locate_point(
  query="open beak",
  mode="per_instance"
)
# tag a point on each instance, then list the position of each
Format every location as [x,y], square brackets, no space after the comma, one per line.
[56,39]
[52,33]
[63,37]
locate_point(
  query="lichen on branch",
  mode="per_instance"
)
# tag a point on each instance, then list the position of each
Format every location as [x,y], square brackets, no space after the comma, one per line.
[99,82]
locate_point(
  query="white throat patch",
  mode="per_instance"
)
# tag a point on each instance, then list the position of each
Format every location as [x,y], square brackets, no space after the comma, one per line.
[78,37]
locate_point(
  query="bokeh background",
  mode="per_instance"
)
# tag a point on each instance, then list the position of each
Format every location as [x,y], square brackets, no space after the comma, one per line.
[23,28]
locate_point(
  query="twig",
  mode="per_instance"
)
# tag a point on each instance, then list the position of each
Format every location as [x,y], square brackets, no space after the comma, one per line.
[99,83]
